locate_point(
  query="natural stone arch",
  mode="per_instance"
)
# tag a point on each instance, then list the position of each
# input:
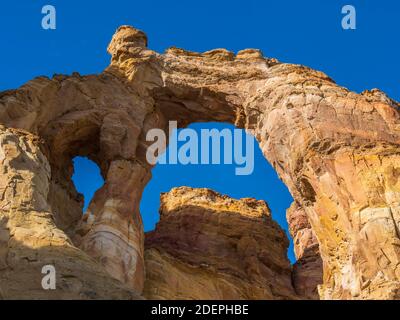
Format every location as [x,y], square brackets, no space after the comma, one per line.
[334,149]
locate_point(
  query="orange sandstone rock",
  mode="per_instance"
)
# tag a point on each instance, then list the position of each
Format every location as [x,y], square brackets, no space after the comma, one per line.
[210,246]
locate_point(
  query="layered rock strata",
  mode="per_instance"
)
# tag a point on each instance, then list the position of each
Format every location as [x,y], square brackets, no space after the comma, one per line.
[209,246]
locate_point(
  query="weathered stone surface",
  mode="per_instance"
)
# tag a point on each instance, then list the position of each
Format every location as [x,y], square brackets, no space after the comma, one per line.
[337,152]
[307,271]
[29,237]
[210,246]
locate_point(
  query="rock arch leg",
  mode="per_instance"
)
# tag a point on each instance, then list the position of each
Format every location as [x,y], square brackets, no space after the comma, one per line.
[356,218]
[112,230]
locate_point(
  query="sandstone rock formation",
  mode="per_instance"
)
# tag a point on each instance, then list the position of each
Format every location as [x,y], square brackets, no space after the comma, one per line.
[337,152]
[29,237]
[210,246]
[307,271]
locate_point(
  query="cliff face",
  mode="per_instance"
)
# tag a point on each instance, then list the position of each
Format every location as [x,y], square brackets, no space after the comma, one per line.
[337,152]
[209,246]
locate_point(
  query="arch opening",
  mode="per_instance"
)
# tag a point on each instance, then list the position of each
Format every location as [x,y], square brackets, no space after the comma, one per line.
[262,183]
[87,178]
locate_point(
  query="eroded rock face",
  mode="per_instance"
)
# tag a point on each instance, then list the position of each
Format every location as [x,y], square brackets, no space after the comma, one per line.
[337,152]
[307,271]
[29,237]
[210,246]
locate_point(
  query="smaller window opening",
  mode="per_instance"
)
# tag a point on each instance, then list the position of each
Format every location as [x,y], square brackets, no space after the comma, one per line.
[87,178]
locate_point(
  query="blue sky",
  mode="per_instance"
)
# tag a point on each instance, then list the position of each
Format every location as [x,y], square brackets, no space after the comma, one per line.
[306,32]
